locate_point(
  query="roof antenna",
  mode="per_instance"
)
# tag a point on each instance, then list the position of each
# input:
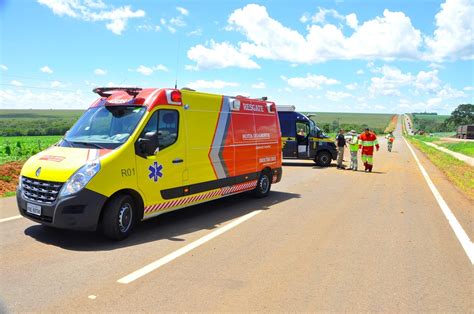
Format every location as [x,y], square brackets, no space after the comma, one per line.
[177,64]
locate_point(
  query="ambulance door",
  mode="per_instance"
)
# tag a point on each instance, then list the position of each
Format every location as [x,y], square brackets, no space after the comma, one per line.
[164,170]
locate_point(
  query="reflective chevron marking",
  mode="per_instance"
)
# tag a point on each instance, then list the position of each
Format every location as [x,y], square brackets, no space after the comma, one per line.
[181,202]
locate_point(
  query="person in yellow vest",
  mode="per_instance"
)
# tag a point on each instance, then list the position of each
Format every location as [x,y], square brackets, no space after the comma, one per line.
[353,141]
[390,139]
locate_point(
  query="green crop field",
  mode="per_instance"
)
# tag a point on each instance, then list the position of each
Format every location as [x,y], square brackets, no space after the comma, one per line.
[371,119]
[22,147]
[436,118]
[431,123]
[331,120]
[36,122]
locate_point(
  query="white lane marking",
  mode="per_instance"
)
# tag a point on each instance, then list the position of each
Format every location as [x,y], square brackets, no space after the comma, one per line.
[463,238]
[185,249]
[10,218]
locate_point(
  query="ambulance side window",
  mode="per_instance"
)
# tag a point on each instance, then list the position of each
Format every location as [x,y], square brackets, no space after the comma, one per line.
[165,123]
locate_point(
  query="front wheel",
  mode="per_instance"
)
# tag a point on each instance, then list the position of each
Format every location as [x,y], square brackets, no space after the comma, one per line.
[119,218]
[323,159]
[264,184]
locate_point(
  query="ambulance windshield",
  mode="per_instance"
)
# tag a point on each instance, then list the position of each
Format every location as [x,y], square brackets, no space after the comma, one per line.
[104,127]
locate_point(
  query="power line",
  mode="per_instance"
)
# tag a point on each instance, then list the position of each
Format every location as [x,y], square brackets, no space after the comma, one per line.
[36,87]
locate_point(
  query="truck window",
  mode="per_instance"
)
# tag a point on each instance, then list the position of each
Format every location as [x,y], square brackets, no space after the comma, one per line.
[302,126]
[165,123]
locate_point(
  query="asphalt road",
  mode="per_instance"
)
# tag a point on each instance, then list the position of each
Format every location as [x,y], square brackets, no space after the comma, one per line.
[324,240]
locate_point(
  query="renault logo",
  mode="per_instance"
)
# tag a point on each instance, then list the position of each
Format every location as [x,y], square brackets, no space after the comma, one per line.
[38,171]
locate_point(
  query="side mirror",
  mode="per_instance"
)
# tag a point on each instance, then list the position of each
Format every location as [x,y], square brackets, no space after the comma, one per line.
[148,144]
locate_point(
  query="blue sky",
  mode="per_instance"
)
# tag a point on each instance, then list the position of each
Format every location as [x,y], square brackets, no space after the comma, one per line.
[351,56]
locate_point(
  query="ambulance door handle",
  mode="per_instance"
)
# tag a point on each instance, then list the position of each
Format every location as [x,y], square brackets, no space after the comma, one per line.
[177,160]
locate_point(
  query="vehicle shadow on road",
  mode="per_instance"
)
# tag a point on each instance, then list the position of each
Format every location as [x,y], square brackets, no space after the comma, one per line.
[170,226]
[307,164]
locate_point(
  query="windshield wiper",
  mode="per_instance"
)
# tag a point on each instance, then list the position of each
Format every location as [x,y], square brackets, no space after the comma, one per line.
[68,142]
[90,144]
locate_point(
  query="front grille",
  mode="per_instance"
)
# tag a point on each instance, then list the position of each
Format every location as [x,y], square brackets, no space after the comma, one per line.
[40,191]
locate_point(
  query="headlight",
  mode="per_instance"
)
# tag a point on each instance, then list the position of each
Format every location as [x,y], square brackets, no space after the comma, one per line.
[80,178]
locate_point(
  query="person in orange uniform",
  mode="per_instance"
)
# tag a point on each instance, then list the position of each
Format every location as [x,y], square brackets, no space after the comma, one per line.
[367,141]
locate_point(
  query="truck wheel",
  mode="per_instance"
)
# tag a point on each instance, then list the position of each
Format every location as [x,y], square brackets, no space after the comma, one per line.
[323,159]
[119,217]
[264,184]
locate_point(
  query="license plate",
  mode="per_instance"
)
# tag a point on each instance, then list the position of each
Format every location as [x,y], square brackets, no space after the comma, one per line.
[33,209]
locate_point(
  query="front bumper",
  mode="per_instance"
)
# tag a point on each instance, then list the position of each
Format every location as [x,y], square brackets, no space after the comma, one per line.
[80,211]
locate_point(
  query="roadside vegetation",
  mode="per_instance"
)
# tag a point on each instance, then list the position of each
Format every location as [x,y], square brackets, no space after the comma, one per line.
[13,153]
[37,122]
[466,148]
[457,171]
[331,122]
[19,148]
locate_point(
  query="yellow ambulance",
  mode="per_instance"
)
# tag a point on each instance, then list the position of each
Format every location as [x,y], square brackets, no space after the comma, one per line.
[137,153]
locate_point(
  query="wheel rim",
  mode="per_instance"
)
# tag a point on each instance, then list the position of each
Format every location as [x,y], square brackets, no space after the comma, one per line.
[324,159]
[125,217]
[264,184]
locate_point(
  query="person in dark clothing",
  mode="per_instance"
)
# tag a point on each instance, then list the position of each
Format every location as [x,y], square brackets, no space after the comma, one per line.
[340,143]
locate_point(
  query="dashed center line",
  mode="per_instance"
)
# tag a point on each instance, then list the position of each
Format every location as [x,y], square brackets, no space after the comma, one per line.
[191,246]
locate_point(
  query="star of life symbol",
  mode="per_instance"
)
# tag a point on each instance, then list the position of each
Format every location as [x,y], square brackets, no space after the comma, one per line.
[155,171]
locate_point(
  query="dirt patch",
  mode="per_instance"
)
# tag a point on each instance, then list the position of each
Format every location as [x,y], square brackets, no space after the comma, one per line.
[9,173]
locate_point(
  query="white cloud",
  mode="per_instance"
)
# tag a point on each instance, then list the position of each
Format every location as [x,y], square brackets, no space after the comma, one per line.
[182,11]
[219,56]
[337,96]
[320,16]
[46,69]
[56,84]
[94,11]
[45,99]
[351,21]
[259,85]
[360,72]
[388,37]
[216,84]
[469,88]
[149,27]
[100,72]
[352,86]
[453,37]
[427,81]
[16,83]
[3,67]
[447,92]
[150,70]
[177,21]
[310,81]
[196,32]
[304,18]
[390,82]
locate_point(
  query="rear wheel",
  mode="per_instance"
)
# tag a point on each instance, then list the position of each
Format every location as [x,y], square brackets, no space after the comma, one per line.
[264,184]
[323,159]
[120,216]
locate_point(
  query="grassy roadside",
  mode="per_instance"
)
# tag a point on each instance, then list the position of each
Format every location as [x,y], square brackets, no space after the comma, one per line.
[466,148]
[463,148]
[458,172]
